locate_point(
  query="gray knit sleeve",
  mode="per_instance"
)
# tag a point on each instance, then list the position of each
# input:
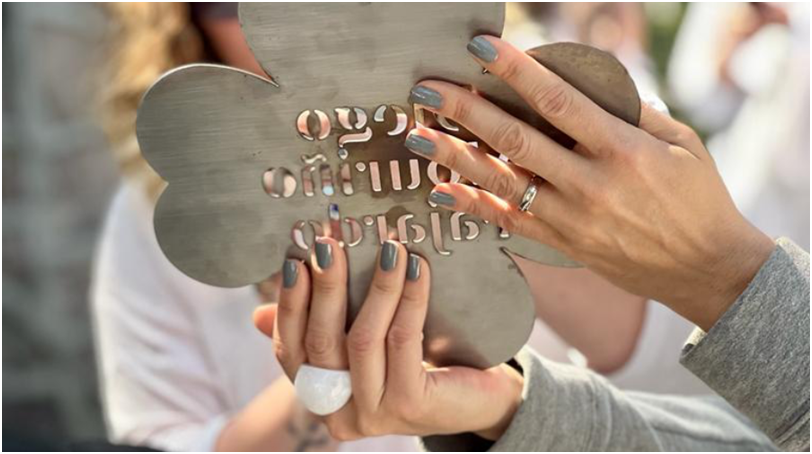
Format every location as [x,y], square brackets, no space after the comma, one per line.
[566,408]
[757,355]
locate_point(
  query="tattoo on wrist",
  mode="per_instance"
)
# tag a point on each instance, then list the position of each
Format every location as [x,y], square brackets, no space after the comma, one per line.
[309,435]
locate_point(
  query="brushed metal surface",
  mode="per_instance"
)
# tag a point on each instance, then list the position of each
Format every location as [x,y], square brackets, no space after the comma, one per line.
[212,132]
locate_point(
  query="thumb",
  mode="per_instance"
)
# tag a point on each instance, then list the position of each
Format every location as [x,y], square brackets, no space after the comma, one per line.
[264,317]
[660,125]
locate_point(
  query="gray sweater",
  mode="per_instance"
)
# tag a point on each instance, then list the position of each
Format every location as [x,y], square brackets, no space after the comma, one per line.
[756,357]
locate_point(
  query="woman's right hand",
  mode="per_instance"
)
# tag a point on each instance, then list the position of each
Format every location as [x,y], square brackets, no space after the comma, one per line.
[642,206]
[393,391]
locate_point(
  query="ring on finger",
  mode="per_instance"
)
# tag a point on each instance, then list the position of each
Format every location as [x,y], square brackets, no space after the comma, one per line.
[530,193]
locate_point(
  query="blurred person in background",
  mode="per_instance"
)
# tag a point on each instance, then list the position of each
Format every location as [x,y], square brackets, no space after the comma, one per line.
[740,71]
[619,28]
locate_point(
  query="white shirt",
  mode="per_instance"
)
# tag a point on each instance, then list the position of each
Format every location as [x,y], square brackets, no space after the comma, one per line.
[179,358]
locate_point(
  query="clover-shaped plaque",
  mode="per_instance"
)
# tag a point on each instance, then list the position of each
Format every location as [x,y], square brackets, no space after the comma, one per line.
[257,169]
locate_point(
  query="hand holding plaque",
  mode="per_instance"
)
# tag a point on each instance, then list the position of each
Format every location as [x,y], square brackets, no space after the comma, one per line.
[258,169]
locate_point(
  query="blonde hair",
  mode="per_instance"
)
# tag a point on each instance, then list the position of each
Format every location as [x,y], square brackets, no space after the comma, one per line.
[148,40]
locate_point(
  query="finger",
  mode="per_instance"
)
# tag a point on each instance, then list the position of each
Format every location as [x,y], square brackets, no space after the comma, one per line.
[504,180]
[521,143]
[291,317]
[264,318]
[484,205]
[367,338]
[404,342]
[558,102]
[665,128]
[324,340]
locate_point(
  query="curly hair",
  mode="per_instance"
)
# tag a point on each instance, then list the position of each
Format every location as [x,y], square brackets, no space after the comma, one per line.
[148,39]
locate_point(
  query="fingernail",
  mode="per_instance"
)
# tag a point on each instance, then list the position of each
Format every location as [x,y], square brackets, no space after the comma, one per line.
[420,145]
[441,198]
[289,273]
[426,96]
[389,255]
[324,254]
[413,267]
[482,49]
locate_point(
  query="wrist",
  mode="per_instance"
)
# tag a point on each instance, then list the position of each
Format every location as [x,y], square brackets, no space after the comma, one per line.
[514,384]
[739,265]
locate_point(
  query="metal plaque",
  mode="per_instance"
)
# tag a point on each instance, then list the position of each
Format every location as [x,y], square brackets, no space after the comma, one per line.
[257,169]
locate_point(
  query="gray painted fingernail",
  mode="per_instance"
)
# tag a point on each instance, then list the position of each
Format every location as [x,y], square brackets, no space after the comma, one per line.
[482,49]
[413,267]
[389,255]
[426,96]
[324,254]
[289,273]
[420,145]
[441,198]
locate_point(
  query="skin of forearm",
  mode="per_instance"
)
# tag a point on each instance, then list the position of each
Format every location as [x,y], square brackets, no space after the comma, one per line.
[590,314]
[275,421]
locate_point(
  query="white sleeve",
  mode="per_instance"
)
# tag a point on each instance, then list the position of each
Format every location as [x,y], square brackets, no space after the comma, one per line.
[158,387]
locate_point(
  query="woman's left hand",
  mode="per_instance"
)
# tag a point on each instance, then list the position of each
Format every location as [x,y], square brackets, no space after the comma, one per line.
[394,392]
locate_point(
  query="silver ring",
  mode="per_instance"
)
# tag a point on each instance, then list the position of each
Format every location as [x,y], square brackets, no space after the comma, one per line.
[530,193]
